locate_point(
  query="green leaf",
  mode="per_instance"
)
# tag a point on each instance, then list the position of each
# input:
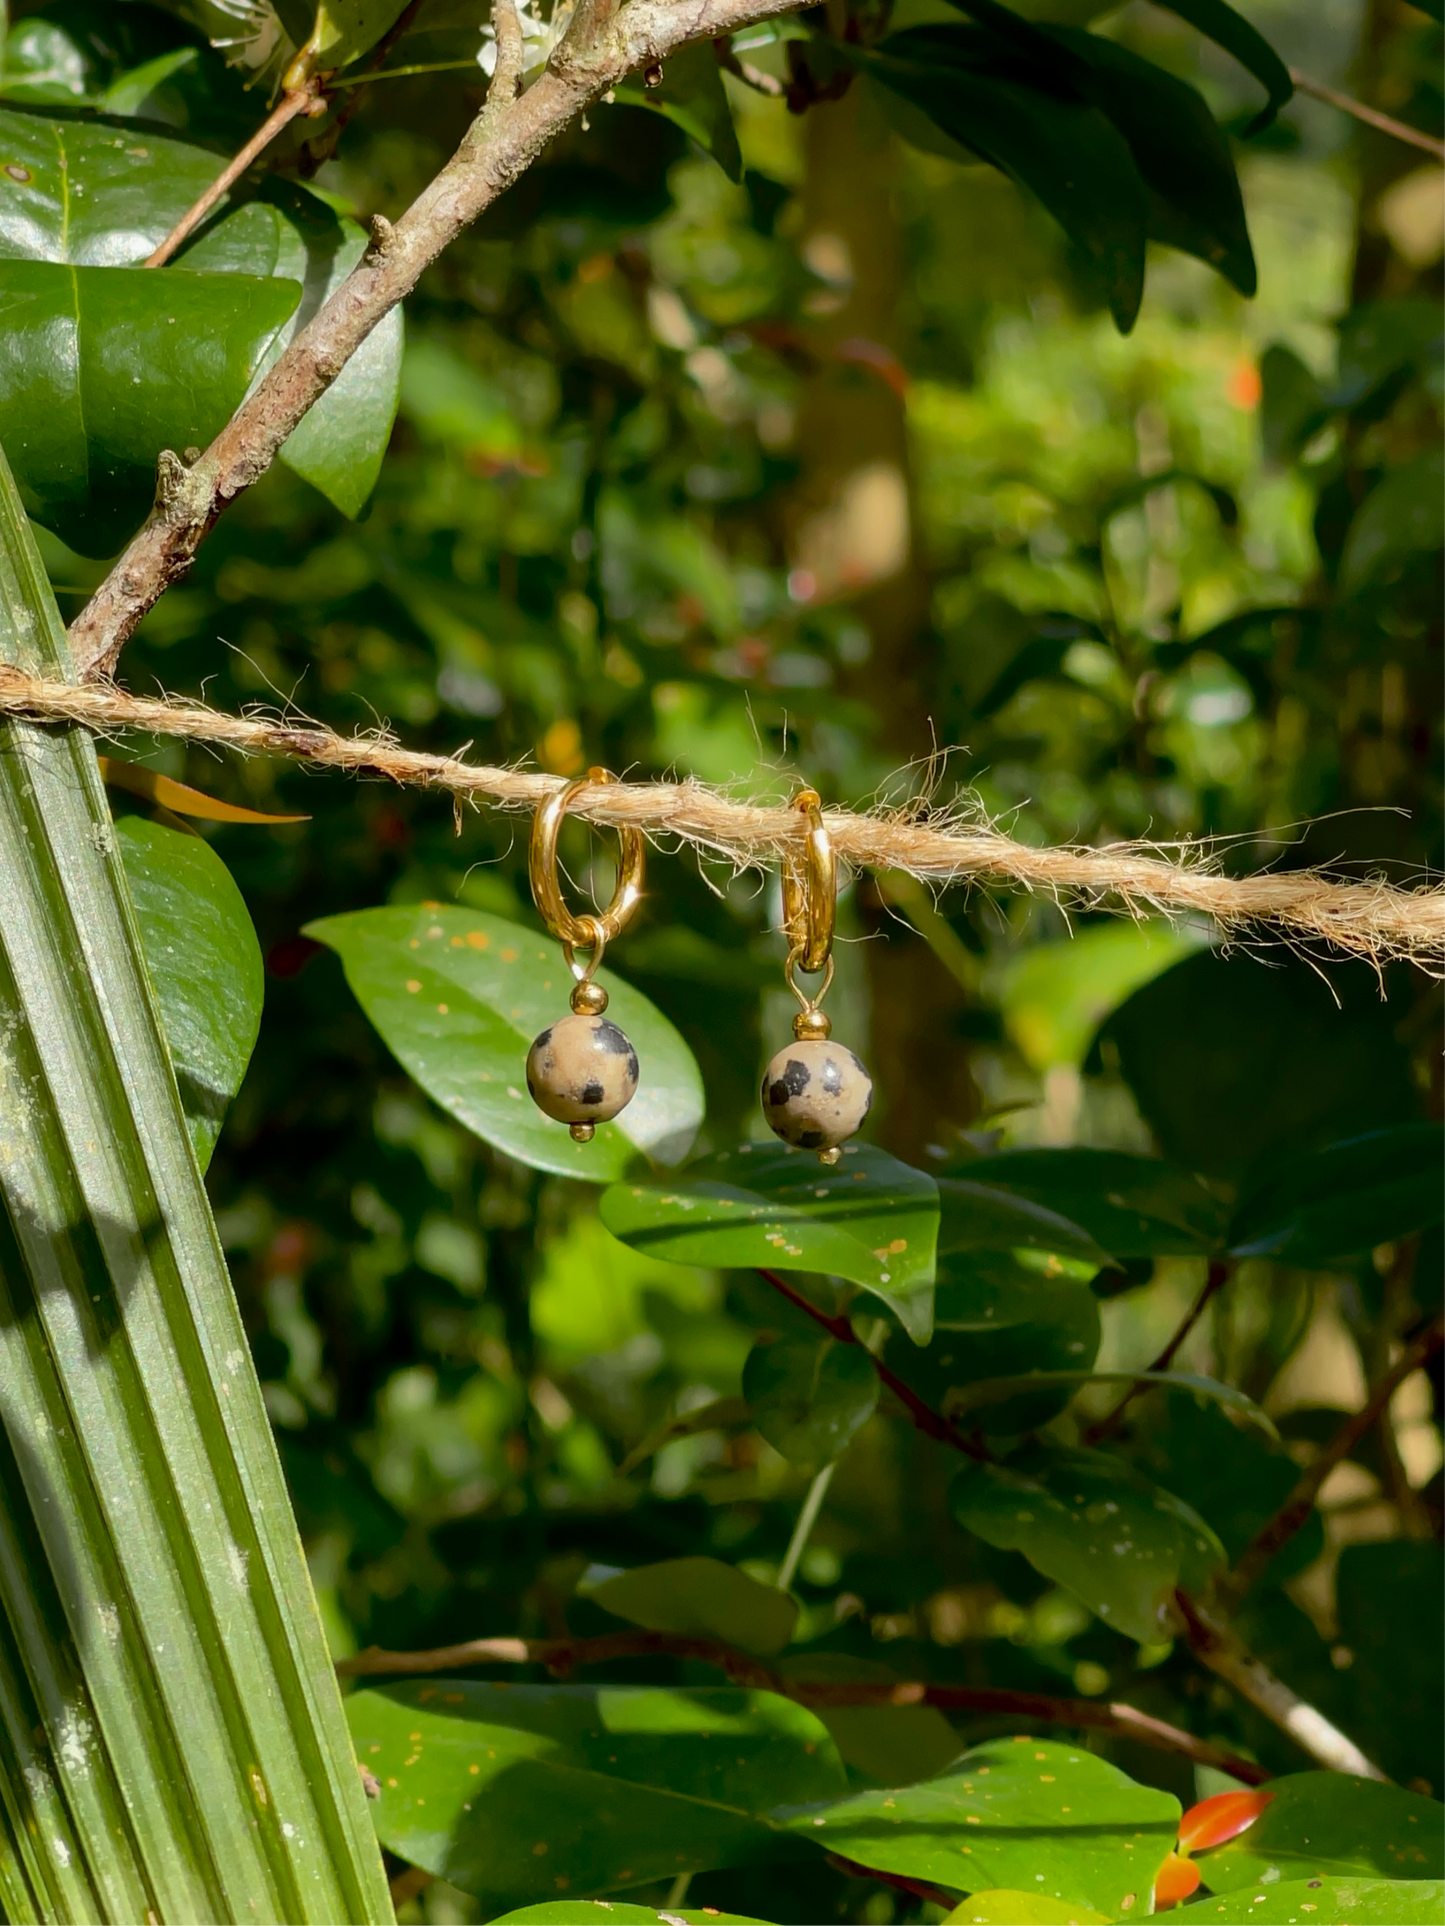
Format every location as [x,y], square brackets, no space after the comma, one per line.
[1328,1822]
[458,997]
[1396,1710]
[980,1217]
[1007,1812]
[810,1396]
[1363,1902]
[1226,28]
[340,30]
[1179,150]
[511,1790]
[700,1598]
[1062,149]
[1003,1908]
[616,1912]
[692,96]
[162,1663]
[1132,1206]
[1232,1063]
[1001,1315]
[893,1745]
[1120,1544]
[1350,1197]
[987,1391]
[870,1219]
[101,368]
[1400,517]
[205,966]
[717,1415]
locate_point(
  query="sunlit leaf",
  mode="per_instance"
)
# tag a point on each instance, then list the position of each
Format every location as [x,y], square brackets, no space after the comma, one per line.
[510,1790]
[700,1598]
[1330,1822]
[1084,1519]
[1298,1902]
[870,1219]
[617,1912]
[1000,1907]
[458,998]
[1009,1811]
[179,797]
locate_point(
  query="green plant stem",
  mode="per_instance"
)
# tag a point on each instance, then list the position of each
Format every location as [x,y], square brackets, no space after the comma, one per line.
[677,1891]
[802,1531]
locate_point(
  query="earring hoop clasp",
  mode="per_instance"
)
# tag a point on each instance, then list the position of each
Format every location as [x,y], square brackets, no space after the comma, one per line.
[593,931]
[810,892]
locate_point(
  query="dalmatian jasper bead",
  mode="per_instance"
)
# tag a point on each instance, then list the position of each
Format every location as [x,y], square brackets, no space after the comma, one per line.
[816,1094]
[582,1070]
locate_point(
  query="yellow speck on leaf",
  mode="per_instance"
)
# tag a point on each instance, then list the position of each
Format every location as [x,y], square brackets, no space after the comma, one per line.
[478,940]
[443,1009]
[539,1848]
[412,986]
[508,955]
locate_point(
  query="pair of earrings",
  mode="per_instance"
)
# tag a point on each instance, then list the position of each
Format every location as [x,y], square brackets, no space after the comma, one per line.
[583,1071]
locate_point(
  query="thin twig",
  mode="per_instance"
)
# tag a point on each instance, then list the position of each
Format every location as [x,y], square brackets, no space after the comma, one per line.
[324,146]
[501,144]
[745,71]
[1366,919]
[1298,1506]
[562,1656]
[1216,1646]
[915,1888]
[932,1423]
[306,99]
[1215,1281]
[1371,116]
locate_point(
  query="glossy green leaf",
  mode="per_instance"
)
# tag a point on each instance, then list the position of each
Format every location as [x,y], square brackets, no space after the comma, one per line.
[161,1656]
[692,96]
[616,1912]
[204,962]
[869,1219]
[988,1391]
[1132,1206]
[1003,1908]
[1349,1197]
[1220,23]
[1061,148]
[339,30]
[1026,1813]
[810,1396]
[1232,1063]
[1329,1822]
[458,998]
[101,368]
[1122,1545]
[980,1217]
[1401,516]
[1000,1315]
[893,1745]
[1302,1902]
[514,1791]
[700,1598]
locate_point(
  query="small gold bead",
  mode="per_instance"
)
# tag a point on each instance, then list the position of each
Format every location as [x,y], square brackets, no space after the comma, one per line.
[582,1133]
[811,1025]
[831,1156]
[589,999]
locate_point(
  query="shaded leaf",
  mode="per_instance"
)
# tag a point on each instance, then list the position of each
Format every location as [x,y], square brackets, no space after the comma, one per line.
[204,963]
[1230,30]
[988,1391]
[893,1745]
[1350,1197]
[339,30]
[1329,1822]
[1397,1709]
[692,96]
[458,997]
[507,1790]
[1122,1545]
[1400,517]
[1008,1811]
[700,1598]
[179,797]
[810,1396]
[715,1416]
[870,1219]
[980,1217]
[1132,1206]
[1363,1902]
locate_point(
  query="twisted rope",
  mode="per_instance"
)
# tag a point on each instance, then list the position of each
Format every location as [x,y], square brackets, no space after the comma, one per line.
[1368,918]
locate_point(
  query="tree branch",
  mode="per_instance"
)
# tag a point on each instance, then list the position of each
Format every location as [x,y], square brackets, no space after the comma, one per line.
[1298,1506]
[561,1655]
[1371,116]
[1217,1278]
[504,140]
[932,1423]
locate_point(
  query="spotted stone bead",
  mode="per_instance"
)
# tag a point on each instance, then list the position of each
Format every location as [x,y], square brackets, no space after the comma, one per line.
[582,1070]
[816,1094]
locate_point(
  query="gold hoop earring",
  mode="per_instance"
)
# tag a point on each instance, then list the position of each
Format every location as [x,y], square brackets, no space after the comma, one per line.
[816,1093]
[582,1070]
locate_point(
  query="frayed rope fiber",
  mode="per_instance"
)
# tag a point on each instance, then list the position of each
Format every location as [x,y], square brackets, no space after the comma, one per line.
[1370,919]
